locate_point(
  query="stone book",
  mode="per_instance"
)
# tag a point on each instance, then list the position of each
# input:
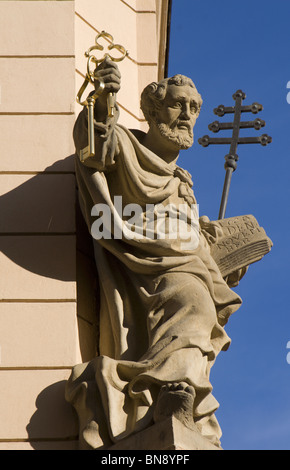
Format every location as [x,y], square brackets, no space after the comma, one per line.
[240,242]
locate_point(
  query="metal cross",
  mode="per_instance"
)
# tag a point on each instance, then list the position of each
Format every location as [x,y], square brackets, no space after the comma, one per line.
[232,157]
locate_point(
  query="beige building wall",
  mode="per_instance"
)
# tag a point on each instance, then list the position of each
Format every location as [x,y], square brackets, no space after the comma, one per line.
[48,289]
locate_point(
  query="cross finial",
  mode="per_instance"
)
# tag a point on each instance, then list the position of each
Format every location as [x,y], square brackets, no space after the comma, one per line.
[235,140]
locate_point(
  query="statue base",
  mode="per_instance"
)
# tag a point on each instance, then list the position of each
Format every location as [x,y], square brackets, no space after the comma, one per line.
[169,434]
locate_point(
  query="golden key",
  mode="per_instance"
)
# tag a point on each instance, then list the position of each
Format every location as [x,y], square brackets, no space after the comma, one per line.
[89,151]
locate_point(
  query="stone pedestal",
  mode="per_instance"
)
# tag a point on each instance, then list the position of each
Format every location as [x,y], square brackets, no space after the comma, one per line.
[169,434]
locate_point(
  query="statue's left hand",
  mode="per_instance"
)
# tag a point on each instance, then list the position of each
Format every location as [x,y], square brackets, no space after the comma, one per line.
[234,278]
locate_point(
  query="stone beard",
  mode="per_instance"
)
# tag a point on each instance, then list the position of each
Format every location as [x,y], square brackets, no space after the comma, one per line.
[182,140]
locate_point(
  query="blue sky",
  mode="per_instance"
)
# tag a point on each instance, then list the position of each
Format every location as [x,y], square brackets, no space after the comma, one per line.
[225,46]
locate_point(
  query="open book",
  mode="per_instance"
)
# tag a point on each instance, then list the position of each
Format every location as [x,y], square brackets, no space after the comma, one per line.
[237,242]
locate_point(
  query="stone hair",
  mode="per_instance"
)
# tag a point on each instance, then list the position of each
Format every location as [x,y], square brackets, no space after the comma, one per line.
[154,94]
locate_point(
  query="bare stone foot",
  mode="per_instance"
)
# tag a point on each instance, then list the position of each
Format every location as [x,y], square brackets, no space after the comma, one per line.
[175,399]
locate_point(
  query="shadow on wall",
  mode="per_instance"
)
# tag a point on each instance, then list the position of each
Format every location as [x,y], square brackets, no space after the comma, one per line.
[42,231]
[31,213]
[88,290]
[54,425]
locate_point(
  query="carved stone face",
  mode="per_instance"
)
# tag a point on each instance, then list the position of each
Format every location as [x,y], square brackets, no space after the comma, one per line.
[177,116]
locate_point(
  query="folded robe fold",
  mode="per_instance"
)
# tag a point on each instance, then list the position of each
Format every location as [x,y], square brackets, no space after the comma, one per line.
[163,308]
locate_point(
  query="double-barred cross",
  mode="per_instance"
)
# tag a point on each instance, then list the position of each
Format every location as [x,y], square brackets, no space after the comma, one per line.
[235,140]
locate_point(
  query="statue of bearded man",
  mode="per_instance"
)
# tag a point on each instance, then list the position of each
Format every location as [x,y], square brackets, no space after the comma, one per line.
[163,305]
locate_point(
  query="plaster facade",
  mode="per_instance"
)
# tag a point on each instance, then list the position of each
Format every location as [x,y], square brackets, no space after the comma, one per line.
[47,297]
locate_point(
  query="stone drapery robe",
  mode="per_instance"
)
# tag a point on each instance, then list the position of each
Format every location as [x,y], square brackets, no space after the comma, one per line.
[163,309]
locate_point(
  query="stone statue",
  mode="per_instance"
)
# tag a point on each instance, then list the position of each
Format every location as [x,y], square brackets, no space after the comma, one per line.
[164,303]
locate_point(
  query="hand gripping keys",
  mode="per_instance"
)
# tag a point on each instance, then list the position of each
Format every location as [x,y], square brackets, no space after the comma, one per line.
[89,102]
